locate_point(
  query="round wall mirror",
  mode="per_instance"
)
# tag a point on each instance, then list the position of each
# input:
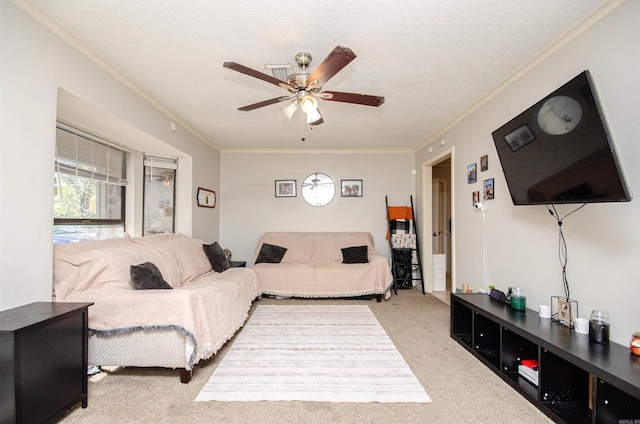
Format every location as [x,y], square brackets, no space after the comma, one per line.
[318,189]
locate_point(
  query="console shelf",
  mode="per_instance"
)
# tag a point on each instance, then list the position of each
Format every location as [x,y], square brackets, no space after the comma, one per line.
[579,381]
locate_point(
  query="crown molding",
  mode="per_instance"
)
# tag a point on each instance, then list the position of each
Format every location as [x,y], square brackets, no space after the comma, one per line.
[315,151]
[45,20]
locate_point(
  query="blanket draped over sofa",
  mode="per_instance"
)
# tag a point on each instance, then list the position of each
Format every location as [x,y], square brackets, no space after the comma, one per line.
[312,266]
[202,311]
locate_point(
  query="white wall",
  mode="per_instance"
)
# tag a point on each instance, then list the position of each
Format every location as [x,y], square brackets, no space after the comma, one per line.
[522,242]
[35,66]
[250,208]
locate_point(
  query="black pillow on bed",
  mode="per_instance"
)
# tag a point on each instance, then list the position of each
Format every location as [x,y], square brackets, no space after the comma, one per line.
[270,254]
[215,254]
[147,276]
[355,255]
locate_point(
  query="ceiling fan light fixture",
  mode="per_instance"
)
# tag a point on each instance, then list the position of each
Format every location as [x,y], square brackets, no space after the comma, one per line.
[313,116]
[308,104]
[290,108]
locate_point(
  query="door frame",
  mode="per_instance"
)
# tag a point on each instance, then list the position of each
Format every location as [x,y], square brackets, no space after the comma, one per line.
[427,216]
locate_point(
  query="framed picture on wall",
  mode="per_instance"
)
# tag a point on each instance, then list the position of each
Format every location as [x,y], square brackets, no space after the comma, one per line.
[206,198]
[475,198]
[351,188]
[488,189]
[484,163]
[472,173]
[285,188]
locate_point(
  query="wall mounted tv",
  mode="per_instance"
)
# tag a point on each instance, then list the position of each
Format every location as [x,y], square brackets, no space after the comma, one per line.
[560,150]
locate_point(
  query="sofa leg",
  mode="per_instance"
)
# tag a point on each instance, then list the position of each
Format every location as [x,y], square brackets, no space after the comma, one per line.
[379,297]
[185,375]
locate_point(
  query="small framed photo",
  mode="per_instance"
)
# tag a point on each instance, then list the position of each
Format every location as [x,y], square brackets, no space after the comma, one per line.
[351,188]
[519,137]
[206,198]
[472,173]
[285,188]
[475,198]
[484,163]
[487,187]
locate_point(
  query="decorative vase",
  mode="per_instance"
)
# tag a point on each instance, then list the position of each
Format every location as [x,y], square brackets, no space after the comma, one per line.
[634,345]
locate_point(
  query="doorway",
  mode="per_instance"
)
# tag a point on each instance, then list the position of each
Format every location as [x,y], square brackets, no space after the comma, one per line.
[437,187]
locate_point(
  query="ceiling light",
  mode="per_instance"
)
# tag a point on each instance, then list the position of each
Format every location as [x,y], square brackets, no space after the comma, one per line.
[308,104]
[290,108]
[313,116]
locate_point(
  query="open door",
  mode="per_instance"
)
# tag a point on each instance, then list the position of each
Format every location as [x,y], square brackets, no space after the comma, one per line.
[438,217]
[437,202]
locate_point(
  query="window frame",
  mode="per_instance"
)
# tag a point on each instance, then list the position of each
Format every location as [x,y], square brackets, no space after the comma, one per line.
[121,222]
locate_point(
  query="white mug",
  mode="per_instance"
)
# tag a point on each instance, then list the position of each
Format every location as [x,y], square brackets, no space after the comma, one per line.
[581,325]
[544,311]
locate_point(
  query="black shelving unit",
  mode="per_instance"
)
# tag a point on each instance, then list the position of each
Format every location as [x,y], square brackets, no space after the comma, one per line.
[404,268]
[579,381]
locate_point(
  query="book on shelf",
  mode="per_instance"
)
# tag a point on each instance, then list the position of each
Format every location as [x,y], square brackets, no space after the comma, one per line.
[530,374]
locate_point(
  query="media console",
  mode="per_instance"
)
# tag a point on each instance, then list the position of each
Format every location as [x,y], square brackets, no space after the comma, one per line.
[579,381]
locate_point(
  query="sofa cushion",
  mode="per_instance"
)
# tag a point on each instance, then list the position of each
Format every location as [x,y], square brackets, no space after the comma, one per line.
[355,255]
[147,276]
[216,256]
[156,249]
[193,262]
[271,254]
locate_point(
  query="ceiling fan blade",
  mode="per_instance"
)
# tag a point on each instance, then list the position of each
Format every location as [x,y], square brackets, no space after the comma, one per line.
[358,99]
[331,65]
[263,103]
[253,73]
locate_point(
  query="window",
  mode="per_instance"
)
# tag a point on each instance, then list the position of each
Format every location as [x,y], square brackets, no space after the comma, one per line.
[159,194]
[90,178]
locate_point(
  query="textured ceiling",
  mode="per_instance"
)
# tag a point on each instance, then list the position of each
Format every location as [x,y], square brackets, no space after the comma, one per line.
[431,59]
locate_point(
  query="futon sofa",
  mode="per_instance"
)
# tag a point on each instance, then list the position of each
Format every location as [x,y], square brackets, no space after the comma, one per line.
[173,326]
[321,265]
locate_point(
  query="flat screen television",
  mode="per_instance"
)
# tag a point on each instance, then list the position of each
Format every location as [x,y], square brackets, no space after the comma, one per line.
[560,150]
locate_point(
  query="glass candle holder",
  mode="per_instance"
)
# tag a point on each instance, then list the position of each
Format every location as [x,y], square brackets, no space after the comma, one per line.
[599,326]
[518,299]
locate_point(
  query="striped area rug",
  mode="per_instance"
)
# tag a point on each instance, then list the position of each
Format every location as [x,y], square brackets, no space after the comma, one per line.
[320,353]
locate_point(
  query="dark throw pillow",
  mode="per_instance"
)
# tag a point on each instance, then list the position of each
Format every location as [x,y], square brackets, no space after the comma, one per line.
[270,254]
[147,276]
[215,254]
[355,255]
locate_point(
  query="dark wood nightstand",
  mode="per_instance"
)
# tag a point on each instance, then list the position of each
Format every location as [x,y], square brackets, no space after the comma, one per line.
[43,360]
[238,264]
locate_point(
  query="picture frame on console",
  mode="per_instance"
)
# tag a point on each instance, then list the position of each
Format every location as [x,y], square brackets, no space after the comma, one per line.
[286,188]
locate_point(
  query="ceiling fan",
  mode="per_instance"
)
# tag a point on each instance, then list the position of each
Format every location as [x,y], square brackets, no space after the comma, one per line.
[304,87]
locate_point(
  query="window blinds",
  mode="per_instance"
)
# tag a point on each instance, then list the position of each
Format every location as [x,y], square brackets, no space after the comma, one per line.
[84,155]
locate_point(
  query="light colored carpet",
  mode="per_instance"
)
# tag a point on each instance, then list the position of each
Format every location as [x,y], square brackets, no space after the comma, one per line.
[317,353]
[463,389]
